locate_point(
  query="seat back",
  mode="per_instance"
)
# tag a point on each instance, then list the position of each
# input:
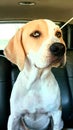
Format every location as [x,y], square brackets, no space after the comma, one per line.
[8,74]
[5,86]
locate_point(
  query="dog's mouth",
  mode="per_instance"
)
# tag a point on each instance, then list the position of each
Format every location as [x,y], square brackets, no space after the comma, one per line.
[55,62]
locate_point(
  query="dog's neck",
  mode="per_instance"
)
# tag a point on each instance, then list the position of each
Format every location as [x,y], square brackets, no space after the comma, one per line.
[34,72]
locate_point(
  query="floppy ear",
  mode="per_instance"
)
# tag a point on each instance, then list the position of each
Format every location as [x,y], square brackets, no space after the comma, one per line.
[14,51]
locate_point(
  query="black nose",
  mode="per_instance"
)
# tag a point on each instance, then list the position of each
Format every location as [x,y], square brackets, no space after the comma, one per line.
[57,49]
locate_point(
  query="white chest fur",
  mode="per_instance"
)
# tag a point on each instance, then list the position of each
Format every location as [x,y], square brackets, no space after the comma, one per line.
[34,92]
[36,95]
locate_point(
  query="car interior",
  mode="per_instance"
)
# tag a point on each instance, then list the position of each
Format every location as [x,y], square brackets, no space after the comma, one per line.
[14,14]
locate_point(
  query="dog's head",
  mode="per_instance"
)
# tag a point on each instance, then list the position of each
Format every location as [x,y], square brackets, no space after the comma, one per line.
[41,42]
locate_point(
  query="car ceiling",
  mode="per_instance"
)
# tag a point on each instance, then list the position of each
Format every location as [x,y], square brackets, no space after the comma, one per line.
[56,10]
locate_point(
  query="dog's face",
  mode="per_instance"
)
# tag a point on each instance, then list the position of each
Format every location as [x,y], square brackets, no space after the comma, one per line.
[41,42]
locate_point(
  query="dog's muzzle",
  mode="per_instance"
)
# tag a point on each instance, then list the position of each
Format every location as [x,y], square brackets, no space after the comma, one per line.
[57,49]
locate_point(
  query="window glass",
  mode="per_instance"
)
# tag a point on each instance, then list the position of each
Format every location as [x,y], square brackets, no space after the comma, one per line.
[7,30]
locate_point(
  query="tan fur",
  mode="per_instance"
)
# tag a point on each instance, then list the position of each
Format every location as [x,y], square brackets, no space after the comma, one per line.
[14,50]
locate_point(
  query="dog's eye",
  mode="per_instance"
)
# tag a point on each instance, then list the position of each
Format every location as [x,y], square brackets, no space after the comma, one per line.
[35,34]
[58,34]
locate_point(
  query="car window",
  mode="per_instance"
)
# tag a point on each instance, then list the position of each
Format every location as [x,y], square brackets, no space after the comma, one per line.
[7,30]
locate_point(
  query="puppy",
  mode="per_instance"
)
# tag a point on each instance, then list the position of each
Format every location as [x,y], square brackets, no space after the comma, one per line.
[35,99]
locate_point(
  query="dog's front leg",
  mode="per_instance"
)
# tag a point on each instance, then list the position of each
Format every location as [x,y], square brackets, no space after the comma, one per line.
[13,123]
[16,123]
[57,121]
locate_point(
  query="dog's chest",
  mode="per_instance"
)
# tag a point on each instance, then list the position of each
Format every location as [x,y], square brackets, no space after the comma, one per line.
[41,99]
[42,95]
[37,99]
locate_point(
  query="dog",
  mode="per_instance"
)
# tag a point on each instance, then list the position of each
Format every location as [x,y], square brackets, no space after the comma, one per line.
[35,99]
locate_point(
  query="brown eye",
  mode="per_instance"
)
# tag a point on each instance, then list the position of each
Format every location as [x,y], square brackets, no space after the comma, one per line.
[35,34]
[58,34]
